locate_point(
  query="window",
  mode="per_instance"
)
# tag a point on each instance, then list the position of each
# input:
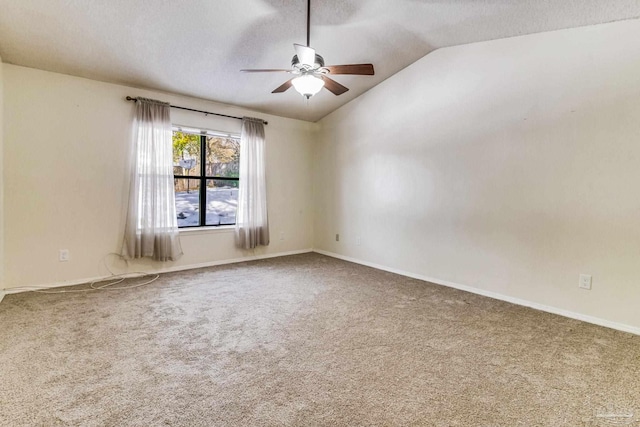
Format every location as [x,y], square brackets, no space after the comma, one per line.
[205,171]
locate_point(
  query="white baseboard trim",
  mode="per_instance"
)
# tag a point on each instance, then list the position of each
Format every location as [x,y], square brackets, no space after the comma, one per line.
[161,271]
[549,309]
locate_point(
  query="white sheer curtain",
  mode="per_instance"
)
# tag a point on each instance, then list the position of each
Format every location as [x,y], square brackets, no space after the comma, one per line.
[152,227]
[252,224]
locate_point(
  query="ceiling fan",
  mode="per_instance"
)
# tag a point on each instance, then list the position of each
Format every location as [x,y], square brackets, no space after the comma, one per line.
[311,75]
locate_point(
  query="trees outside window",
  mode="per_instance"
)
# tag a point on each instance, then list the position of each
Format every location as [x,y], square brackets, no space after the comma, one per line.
[206,175]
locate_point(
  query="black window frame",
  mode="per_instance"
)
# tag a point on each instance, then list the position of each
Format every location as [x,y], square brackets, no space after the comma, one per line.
[202,177]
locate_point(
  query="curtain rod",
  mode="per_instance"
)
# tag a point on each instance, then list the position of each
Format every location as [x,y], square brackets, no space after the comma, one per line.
[199,111]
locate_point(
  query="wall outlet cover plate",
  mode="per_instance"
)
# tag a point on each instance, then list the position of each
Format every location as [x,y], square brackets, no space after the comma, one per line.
[585,281]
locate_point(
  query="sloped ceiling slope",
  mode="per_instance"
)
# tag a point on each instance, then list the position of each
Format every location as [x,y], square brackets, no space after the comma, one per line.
[196,47]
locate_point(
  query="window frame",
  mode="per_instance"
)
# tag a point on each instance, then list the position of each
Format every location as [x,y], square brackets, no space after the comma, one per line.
[202,177]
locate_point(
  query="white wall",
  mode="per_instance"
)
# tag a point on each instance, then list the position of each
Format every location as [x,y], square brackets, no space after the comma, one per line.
[66,142]
[510,166]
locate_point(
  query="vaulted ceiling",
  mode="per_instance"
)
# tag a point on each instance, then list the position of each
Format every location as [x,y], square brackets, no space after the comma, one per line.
[196,47]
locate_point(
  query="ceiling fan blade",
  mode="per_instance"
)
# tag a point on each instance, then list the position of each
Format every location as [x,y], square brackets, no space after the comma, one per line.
[283,87]
[333,86]
[306,54]
[359,69]
[266,70]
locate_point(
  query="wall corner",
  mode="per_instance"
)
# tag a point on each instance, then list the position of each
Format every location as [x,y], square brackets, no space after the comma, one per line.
[1,179]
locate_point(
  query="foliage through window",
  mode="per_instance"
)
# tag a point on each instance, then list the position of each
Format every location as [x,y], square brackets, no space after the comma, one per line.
[205,171]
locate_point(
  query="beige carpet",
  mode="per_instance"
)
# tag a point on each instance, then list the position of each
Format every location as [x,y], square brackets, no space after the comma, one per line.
[306,340]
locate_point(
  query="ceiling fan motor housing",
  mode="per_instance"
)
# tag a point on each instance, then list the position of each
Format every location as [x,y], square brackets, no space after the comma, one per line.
[318,63]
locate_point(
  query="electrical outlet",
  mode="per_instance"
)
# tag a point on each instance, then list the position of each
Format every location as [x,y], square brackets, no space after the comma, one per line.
[63,255]
[585,282]
[358,241]
[281,235]
[337,237]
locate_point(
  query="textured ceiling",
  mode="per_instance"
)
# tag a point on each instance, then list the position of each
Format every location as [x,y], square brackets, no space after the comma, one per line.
[196,47]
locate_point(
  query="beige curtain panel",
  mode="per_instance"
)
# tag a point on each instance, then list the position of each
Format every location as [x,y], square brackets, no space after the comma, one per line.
[152,226]
[252,224]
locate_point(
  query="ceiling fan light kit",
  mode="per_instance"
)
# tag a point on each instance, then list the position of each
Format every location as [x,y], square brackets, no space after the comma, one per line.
[307,85]
[311,72]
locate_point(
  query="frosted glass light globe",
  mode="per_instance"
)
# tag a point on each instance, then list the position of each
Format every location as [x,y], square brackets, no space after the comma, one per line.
[307,85]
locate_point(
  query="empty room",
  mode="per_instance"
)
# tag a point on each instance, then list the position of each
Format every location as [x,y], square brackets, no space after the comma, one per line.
[320,213]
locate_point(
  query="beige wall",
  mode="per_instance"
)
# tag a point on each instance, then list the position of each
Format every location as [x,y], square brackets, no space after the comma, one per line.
[66,145]
[509,166]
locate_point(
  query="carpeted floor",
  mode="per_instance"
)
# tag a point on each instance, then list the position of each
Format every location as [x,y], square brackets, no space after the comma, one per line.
[306,340]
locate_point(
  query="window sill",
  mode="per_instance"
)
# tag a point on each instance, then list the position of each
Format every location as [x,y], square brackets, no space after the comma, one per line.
[207,230]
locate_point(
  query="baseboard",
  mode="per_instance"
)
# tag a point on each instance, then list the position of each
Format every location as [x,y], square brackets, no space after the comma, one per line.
[549,309]
[161,271]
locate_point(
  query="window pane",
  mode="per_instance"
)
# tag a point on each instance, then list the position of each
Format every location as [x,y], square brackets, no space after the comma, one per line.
[187,201]
[186,154]
[222,202]
[222,156]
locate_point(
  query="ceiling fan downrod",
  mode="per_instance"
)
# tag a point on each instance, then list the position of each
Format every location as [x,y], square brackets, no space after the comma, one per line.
[308,23]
